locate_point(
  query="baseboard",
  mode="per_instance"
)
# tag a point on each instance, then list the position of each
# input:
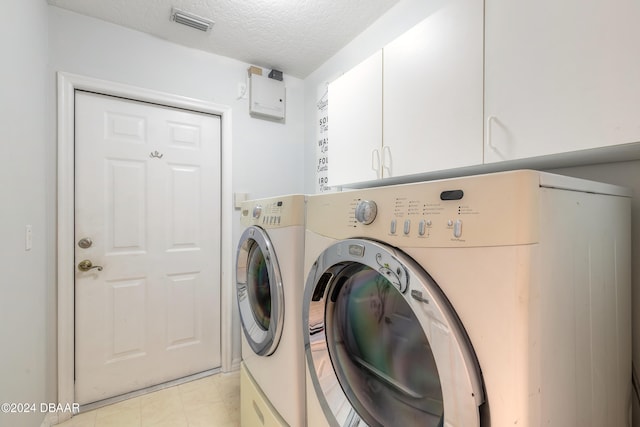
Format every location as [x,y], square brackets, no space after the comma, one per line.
[235,364]
[51,419]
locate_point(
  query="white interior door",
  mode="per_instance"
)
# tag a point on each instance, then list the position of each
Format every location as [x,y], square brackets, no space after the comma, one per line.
[147,183]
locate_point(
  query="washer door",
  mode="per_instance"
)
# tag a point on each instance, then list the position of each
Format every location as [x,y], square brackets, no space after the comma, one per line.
[259,291]
[382,343]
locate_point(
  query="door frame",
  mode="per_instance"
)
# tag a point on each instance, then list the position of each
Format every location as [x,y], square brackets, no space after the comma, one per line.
[67,84]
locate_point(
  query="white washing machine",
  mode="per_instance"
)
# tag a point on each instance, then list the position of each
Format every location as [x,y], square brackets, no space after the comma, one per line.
[492,300]
[269,285]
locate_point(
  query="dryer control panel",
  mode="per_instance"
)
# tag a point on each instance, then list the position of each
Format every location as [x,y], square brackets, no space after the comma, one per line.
[472,211]
[284,211]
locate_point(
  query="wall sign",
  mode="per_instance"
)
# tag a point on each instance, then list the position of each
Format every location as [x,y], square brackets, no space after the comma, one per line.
[322,140]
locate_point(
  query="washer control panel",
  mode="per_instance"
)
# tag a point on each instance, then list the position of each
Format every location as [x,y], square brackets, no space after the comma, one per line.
[416,217]
[481,210]
[272,213]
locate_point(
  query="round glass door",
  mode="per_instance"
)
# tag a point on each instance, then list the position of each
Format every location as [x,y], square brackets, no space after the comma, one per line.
[375,319]
[380,353]
[259,291]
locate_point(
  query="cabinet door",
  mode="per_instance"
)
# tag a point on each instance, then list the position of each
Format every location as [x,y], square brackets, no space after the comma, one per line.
[560,76]
[433,88]
[355,123]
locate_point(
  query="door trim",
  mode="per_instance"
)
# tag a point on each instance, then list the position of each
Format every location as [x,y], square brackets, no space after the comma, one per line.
[67,84]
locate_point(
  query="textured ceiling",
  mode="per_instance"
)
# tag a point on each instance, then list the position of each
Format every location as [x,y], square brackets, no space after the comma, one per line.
[293,36]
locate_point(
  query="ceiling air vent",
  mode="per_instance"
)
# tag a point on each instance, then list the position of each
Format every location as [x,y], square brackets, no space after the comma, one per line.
[191,20]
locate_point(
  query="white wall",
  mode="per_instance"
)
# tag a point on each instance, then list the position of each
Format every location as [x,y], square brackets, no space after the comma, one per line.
[94,48]
[267,155]
[27,301]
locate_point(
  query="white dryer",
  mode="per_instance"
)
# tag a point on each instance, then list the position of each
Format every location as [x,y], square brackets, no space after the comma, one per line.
[492,300]
[269,286]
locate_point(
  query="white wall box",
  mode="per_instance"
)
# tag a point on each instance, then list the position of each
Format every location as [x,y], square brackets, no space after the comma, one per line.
[433,92]
[267,97]
[355,123]
[560,76]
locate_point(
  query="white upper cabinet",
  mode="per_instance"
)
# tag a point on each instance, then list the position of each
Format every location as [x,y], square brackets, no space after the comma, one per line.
[433,92]
[560,76]
[414,107]
[355,123]
[489,81]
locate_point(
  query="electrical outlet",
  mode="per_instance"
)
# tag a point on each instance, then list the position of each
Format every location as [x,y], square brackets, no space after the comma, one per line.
[238,198]
[242,90]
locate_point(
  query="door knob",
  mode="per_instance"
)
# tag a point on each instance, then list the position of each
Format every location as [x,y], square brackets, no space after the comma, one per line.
[87,265]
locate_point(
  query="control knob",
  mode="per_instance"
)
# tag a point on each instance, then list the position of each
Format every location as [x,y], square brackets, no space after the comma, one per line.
[257,211]
[366,211]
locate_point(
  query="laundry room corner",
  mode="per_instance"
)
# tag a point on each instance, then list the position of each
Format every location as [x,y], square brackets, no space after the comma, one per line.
[624,170]
[85,46]
[308,214]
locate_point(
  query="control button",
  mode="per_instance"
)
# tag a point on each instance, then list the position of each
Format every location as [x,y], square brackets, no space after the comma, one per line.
[422,227]
[366,211]
[450,223]
[257,211]
[407,226]
[392,228]
[279,220]
[429,223]
[457,228]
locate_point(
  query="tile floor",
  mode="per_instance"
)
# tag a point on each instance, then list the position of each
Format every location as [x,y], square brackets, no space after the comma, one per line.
[213,401]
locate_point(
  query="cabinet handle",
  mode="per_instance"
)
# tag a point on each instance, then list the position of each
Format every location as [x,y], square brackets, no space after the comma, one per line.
[386,154]
[489,144]
[375,162]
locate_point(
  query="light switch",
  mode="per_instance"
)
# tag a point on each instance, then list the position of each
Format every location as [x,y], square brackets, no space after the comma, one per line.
[28,237]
